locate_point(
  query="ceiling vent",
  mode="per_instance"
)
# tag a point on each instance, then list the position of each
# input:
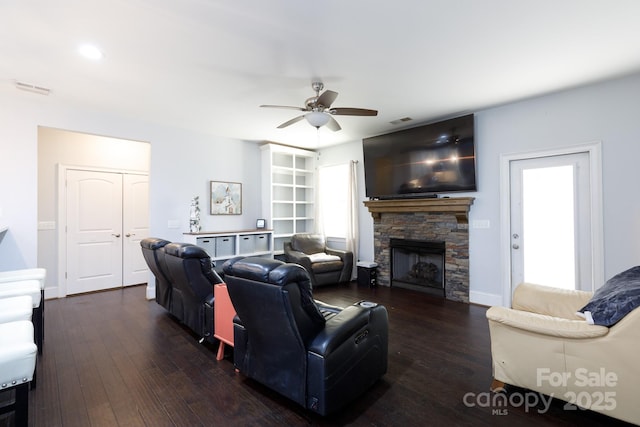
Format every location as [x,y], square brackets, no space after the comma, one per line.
[33,88]
[402,120]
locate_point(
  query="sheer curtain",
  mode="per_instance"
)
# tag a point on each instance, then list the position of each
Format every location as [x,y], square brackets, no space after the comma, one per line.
[352,214]
[337,207]
[319,215]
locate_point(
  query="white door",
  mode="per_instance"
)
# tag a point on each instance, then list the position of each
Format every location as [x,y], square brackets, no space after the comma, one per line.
[135,216]
[550,224]
[94,231]
[107,216]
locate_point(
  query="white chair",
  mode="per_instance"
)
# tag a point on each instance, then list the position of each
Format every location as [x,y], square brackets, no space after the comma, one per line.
[541,337]
[39,274]
[17,366]
[16,308]
[31,288]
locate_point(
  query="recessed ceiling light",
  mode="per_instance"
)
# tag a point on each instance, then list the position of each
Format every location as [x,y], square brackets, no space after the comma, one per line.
[90,51]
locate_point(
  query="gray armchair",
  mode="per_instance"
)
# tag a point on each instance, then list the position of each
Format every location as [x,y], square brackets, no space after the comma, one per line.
[324,265]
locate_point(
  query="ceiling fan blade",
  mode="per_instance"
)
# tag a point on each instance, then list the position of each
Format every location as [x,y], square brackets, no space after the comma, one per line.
[290,122]
[327,98]
[353,112]
[333,124]
[284,106]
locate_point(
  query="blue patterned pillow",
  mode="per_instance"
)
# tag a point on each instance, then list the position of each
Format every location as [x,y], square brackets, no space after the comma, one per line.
[617,298]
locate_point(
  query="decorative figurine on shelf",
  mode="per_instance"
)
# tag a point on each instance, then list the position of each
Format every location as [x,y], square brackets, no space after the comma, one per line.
[194,215]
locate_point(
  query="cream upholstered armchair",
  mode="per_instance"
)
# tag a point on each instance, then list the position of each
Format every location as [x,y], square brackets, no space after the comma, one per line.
[541,344]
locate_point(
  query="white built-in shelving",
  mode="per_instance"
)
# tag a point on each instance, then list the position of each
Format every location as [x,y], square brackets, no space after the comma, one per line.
[288,189]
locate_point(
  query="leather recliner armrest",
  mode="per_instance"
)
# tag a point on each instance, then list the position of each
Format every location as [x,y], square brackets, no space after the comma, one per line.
[297,255]
[347,259]
[339,328]
[338,252]
[299,258]
[324,307]
[240,343]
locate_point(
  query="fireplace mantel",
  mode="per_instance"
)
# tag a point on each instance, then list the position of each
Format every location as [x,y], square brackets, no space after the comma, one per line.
[459,206]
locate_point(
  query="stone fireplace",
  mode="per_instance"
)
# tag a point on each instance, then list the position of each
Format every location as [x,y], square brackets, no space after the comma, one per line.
[435,220]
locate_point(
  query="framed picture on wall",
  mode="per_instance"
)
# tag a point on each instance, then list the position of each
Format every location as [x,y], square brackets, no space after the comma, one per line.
[226,198]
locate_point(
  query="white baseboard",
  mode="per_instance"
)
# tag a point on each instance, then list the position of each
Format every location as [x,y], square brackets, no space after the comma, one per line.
[483,298]
[51,292]
[151,292]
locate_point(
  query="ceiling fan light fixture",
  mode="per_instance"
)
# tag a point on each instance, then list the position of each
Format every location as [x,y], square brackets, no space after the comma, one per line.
[318,111]
[317,118]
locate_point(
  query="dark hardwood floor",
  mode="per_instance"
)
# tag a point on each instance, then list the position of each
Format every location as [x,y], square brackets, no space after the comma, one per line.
[115,359]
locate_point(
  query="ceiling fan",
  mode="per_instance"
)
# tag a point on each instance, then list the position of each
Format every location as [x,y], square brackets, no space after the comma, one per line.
[318,111]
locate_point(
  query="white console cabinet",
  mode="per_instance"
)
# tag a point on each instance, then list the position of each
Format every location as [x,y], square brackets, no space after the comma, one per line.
[225,245]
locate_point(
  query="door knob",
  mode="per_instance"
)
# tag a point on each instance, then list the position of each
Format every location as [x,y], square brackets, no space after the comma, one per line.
[515,246]
[116,235]
[130,234]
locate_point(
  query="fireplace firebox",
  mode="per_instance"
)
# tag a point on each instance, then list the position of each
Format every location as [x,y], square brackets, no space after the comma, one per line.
[418,265]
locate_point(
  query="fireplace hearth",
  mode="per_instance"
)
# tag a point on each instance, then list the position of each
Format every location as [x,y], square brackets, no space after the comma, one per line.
[418,265]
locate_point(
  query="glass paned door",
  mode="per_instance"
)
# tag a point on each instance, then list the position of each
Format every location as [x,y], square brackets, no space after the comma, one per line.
[550,221]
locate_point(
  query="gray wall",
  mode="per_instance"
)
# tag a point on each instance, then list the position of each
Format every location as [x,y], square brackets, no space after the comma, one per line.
[183,162]
[607,112]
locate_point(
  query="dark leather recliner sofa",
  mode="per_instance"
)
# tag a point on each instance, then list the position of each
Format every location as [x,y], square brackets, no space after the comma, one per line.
[320,356]
[153,252]
[193,278]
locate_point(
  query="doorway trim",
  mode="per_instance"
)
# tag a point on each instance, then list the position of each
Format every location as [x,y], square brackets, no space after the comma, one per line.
[61,219]
[594,150]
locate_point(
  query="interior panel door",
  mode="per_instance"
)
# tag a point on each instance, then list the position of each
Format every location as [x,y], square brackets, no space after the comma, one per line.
[94,231]
[135,217]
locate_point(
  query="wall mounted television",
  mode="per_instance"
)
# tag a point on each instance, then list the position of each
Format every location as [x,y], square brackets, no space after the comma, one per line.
[421,161]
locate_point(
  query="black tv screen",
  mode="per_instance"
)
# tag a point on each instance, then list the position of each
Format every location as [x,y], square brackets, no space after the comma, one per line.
[421,161]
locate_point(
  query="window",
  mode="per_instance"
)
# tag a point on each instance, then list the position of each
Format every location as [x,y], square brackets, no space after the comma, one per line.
[333,189]
[548,222]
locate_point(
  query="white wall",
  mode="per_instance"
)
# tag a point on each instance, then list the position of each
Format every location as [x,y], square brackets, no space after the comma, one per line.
[606,112]
[182,164]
